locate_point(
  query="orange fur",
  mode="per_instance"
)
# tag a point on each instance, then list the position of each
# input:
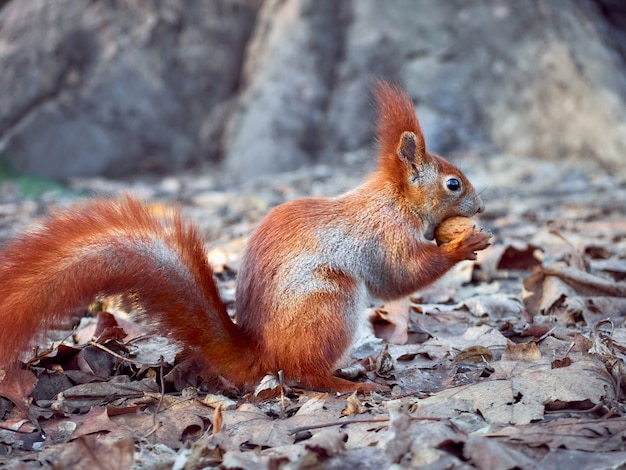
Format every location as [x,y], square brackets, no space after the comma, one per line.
[110,247]
[396,115]
[305,278]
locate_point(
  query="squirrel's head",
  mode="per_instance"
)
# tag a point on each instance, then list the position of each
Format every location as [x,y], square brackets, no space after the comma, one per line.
[431,187]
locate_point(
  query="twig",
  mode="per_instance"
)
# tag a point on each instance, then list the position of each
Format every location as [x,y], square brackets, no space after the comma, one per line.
[162,394]
[419,394]
[593,409]
[355,421]
[113,353]
[547,333]
[4,428]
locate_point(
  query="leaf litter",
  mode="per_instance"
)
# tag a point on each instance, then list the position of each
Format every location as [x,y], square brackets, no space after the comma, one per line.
[513,361]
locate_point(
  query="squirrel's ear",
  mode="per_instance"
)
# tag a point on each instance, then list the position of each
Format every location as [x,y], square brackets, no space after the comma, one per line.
[412,153]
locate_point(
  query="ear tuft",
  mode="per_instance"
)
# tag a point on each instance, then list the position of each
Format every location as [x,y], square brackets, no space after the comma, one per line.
[400,140]
[396,115]
[407,148]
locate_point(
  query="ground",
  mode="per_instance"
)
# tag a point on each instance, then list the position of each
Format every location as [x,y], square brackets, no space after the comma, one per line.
[514,361]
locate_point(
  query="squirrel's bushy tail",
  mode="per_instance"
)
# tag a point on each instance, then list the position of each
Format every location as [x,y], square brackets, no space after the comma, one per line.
[107,247]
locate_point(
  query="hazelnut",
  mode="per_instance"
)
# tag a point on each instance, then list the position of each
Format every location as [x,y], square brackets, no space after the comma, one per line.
[452,228]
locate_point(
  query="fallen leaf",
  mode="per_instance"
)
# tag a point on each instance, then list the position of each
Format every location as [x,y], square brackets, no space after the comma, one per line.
[543,289]
[391,321]
[217,420]
[354,406]
[474,336]
[488,453]
[17,386]
[518,254]
[89,452]
[568,433]
[322,446]
[399,439]
[495,306]
[521,352]
[477,354]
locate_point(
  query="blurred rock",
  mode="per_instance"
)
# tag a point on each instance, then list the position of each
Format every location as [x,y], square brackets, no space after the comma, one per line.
[280,122]
[116,87]
[524,78]
[274,85]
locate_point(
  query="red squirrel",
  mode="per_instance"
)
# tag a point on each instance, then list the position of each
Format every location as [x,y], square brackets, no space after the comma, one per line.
[306,274]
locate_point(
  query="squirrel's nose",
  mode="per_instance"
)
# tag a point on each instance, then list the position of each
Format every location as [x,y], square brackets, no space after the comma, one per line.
[481,207]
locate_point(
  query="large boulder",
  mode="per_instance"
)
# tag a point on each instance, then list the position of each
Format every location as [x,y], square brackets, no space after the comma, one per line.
[115,87]
[280,122]
[266,86]
[524,77]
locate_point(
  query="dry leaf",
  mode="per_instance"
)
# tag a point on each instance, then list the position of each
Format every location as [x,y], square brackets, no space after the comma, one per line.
[352,372]
[474,336]
[353,406]
[477,354]
[217,420]
[323,445]
[518,254]
[95,421]
[488,453]
[89,452]
[569,433]
[391,321]
[17,386]
[573,235]
[399,437]
[545,288]
[268,386]
[495,306]
[384,363]
[218,401]
[521,352]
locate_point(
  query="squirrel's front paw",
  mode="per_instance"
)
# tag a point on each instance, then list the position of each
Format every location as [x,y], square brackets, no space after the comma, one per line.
[474,240]
[462,238]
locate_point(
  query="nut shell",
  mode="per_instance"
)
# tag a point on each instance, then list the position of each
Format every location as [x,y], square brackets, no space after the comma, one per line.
[452,228]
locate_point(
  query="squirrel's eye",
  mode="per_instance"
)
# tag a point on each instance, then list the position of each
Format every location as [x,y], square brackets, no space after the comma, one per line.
[453,184]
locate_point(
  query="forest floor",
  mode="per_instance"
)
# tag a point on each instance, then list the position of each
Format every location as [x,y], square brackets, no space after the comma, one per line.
[516,360]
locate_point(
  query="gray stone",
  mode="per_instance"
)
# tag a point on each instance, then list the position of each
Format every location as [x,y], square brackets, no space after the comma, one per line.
[266,86]
[280,122]
[116,87]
